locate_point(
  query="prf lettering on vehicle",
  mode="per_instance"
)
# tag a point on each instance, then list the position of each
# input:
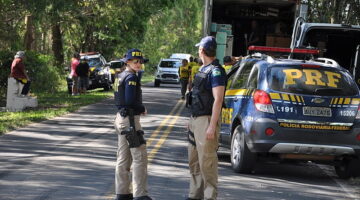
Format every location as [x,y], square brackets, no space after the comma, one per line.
[312,77]
[226,115]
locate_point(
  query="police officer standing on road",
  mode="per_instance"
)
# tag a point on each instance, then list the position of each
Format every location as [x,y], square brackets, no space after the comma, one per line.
[131,143]
[204,125]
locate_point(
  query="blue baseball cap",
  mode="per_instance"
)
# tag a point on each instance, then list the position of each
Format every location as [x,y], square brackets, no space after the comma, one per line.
[208,42]
[133,54]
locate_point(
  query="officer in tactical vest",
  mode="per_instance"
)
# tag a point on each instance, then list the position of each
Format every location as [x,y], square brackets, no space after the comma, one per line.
[131,142]
[205,103]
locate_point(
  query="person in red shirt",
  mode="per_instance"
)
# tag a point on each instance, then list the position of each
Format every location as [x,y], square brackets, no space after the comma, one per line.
[75,60]
[18,72]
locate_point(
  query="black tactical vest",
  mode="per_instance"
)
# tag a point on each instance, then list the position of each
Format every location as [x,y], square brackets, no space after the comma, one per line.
[120,93]
[202,99]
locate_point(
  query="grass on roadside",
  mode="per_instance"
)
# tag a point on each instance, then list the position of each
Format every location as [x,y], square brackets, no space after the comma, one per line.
[146,78]
[55,104]
[50,105]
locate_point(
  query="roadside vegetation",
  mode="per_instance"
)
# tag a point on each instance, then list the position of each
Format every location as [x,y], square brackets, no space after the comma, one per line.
[50,105]
[51,31]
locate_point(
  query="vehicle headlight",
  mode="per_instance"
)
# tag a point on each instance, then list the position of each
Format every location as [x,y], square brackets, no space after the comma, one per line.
[101,72]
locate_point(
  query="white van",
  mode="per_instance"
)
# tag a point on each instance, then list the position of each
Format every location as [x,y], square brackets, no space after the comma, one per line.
[181,56]
[167,71]
[335,41]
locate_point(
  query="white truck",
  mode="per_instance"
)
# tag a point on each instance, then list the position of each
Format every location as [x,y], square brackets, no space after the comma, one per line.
[230,21]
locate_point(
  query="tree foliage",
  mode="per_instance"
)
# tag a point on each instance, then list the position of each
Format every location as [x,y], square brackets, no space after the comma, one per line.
[334,11]
[58,28]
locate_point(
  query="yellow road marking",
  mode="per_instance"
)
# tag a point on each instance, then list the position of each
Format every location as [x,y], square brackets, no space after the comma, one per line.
[156,132]
[161,141]
[158,145]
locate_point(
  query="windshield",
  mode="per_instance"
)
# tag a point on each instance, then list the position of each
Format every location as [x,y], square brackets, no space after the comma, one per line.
[336,43]
[170,64]
[312,81]
[117,65]
[95,62]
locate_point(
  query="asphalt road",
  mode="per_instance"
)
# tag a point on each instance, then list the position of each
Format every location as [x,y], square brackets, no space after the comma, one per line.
[73,157]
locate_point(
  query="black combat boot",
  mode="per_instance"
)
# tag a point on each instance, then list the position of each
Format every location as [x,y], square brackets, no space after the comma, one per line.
[143,198]
[124,197]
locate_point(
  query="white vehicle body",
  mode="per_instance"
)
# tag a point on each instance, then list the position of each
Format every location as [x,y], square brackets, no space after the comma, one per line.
[181,56]
[167,71]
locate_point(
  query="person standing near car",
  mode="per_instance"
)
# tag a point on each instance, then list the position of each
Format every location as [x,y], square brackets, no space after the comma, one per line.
[83,71]
[184,73]
[194,69]
[19,73]
[228,63]
[131,143]
[204,124]
[75,61]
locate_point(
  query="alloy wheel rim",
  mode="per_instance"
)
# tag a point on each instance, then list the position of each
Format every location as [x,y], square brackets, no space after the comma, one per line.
[236,150]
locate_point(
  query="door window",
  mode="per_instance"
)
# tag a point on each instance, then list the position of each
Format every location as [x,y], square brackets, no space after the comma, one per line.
[242,75]
[253,78]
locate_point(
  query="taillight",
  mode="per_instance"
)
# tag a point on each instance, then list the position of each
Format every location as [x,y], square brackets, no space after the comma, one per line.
[262,101]
[269,131]
[358,113]
[358,137]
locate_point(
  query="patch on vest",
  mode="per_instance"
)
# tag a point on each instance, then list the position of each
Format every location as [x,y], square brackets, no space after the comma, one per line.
[216,72]
[132,83]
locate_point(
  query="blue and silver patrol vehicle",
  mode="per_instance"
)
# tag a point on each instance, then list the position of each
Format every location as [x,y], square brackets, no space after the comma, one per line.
[305,110]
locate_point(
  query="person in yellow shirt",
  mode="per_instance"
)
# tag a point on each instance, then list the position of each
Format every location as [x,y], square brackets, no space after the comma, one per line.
[192,62]
[228,63]
[184,73]
[194,69]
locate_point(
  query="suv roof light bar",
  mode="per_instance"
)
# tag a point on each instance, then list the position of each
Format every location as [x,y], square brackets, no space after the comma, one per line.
[327,61]
[283,50]
[88,53]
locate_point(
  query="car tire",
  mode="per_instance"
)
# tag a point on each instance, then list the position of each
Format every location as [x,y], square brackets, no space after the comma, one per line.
[69,89]
[242,159]
[348,168]
[107,88]
[157,83]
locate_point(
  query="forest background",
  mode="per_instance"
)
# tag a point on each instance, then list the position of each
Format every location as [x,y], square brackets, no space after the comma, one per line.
[50,31]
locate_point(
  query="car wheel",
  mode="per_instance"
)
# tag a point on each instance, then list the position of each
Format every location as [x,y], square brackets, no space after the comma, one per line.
[69,89]
[347,169]
[107,88]
[242,159]
[157,83]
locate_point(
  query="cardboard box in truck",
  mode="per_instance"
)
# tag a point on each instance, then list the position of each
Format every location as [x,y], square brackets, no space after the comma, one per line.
[277,41]
[274,17]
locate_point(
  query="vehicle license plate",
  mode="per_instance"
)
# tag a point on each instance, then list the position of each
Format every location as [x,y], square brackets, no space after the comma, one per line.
[317,111]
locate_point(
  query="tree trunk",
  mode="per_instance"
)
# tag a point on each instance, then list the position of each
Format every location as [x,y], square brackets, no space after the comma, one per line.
[29,38]
[57,45]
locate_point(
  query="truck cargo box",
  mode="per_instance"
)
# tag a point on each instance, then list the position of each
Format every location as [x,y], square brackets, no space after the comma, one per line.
[274,21]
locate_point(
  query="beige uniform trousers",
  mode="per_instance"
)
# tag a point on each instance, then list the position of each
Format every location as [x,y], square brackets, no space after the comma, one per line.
[203,160]
[125,157]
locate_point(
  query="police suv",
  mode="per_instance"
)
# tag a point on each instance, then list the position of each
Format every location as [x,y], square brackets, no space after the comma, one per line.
[305,110]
